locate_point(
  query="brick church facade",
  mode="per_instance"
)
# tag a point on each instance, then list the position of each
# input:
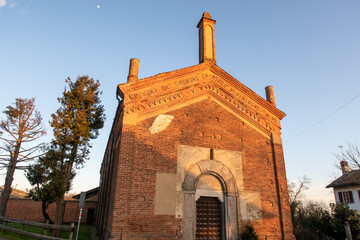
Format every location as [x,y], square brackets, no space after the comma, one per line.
[193,154]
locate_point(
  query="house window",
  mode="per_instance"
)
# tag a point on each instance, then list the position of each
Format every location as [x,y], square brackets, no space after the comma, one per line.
[346,197]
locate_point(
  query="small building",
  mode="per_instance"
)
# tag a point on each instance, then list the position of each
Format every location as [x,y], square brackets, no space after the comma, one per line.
[193,154]
[91,195]
[347,187]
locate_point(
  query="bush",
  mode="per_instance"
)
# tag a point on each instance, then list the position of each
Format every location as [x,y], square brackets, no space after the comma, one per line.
[249,233]
[312,221]
[342,213]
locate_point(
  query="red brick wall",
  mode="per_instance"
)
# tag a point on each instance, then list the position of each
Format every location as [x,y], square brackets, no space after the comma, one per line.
[31,210]
[142,154]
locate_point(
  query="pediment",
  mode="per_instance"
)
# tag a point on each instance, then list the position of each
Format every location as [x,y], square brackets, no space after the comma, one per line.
[155,95]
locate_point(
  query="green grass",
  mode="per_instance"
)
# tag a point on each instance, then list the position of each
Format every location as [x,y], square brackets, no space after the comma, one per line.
[84,232]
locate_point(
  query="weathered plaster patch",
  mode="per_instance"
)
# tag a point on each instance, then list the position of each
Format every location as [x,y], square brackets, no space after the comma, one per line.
[165,193]
[250,205]
[160,123]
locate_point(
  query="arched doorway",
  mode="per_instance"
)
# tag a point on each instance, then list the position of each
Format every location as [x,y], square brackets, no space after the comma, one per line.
[210,186]
[210,210]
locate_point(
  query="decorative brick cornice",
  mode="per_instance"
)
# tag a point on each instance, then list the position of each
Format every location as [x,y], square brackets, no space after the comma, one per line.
[160,93]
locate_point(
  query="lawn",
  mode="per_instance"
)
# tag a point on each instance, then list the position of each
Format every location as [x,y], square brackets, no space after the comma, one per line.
[84,232]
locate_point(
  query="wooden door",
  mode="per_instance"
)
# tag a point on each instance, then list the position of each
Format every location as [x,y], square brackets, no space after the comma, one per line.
[208,218]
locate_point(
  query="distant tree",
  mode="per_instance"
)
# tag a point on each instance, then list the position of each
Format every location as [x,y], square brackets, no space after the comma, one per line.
[351,154]
[45,177]
[23,125]
[296,192]
[308,218]
[75,123]
[43,191]
[313,221]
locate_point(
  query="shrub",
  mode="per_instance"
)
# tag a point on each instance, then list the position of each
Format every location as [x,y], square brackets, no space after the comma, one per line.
[249,233]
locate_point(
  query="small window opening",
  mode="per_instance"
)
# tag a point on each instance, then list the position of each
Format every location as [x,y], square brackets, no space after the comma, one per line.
[346,197]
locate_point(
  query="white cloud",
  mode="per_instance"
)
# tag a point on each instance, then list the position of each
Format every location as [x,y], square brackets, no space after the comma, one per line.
[2,3]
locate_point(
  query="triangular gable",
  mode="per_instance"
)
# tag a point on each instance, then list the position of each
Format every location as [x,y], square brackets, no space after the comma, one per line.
[154,95]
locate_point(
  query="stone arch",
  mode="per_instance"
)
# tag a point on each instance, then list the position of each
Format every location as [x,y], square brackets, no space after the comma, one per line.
[210,184]
[230,193]
[210,167]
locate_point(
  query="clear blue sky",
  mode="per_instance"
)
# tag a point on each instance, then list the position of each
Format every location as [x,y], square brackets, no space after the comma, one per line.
[308,50]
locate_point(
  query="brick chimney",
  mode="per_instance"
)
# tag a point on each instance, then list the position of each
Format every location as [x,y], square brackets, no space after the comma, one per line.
[344,167]
[206,39]
[270,97]
[133,70]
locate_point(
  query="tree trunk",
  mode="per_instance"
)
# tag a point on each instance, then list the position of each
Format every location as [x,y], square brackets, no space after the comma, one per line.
[63,211]
[9,178]
[60,204]
[7,187]
[58,211]
[44,206]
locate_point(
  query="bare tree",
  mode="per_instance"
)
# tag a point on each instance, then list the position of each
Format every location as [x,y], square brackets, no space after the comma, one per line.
[23,125]
[351,155]
[296,192]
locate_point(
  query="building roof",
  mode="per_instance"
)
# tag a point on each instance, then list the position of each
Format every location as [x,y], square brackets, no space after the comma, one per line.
[90,193]
[351,178]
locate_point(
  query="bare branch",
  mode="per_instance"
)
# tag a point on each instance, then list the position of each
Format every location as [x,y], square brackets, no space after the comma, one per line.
[296,192]
[7,129]
[350,155]
[26,159]
[37,147]
[10,142]
[22,167]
